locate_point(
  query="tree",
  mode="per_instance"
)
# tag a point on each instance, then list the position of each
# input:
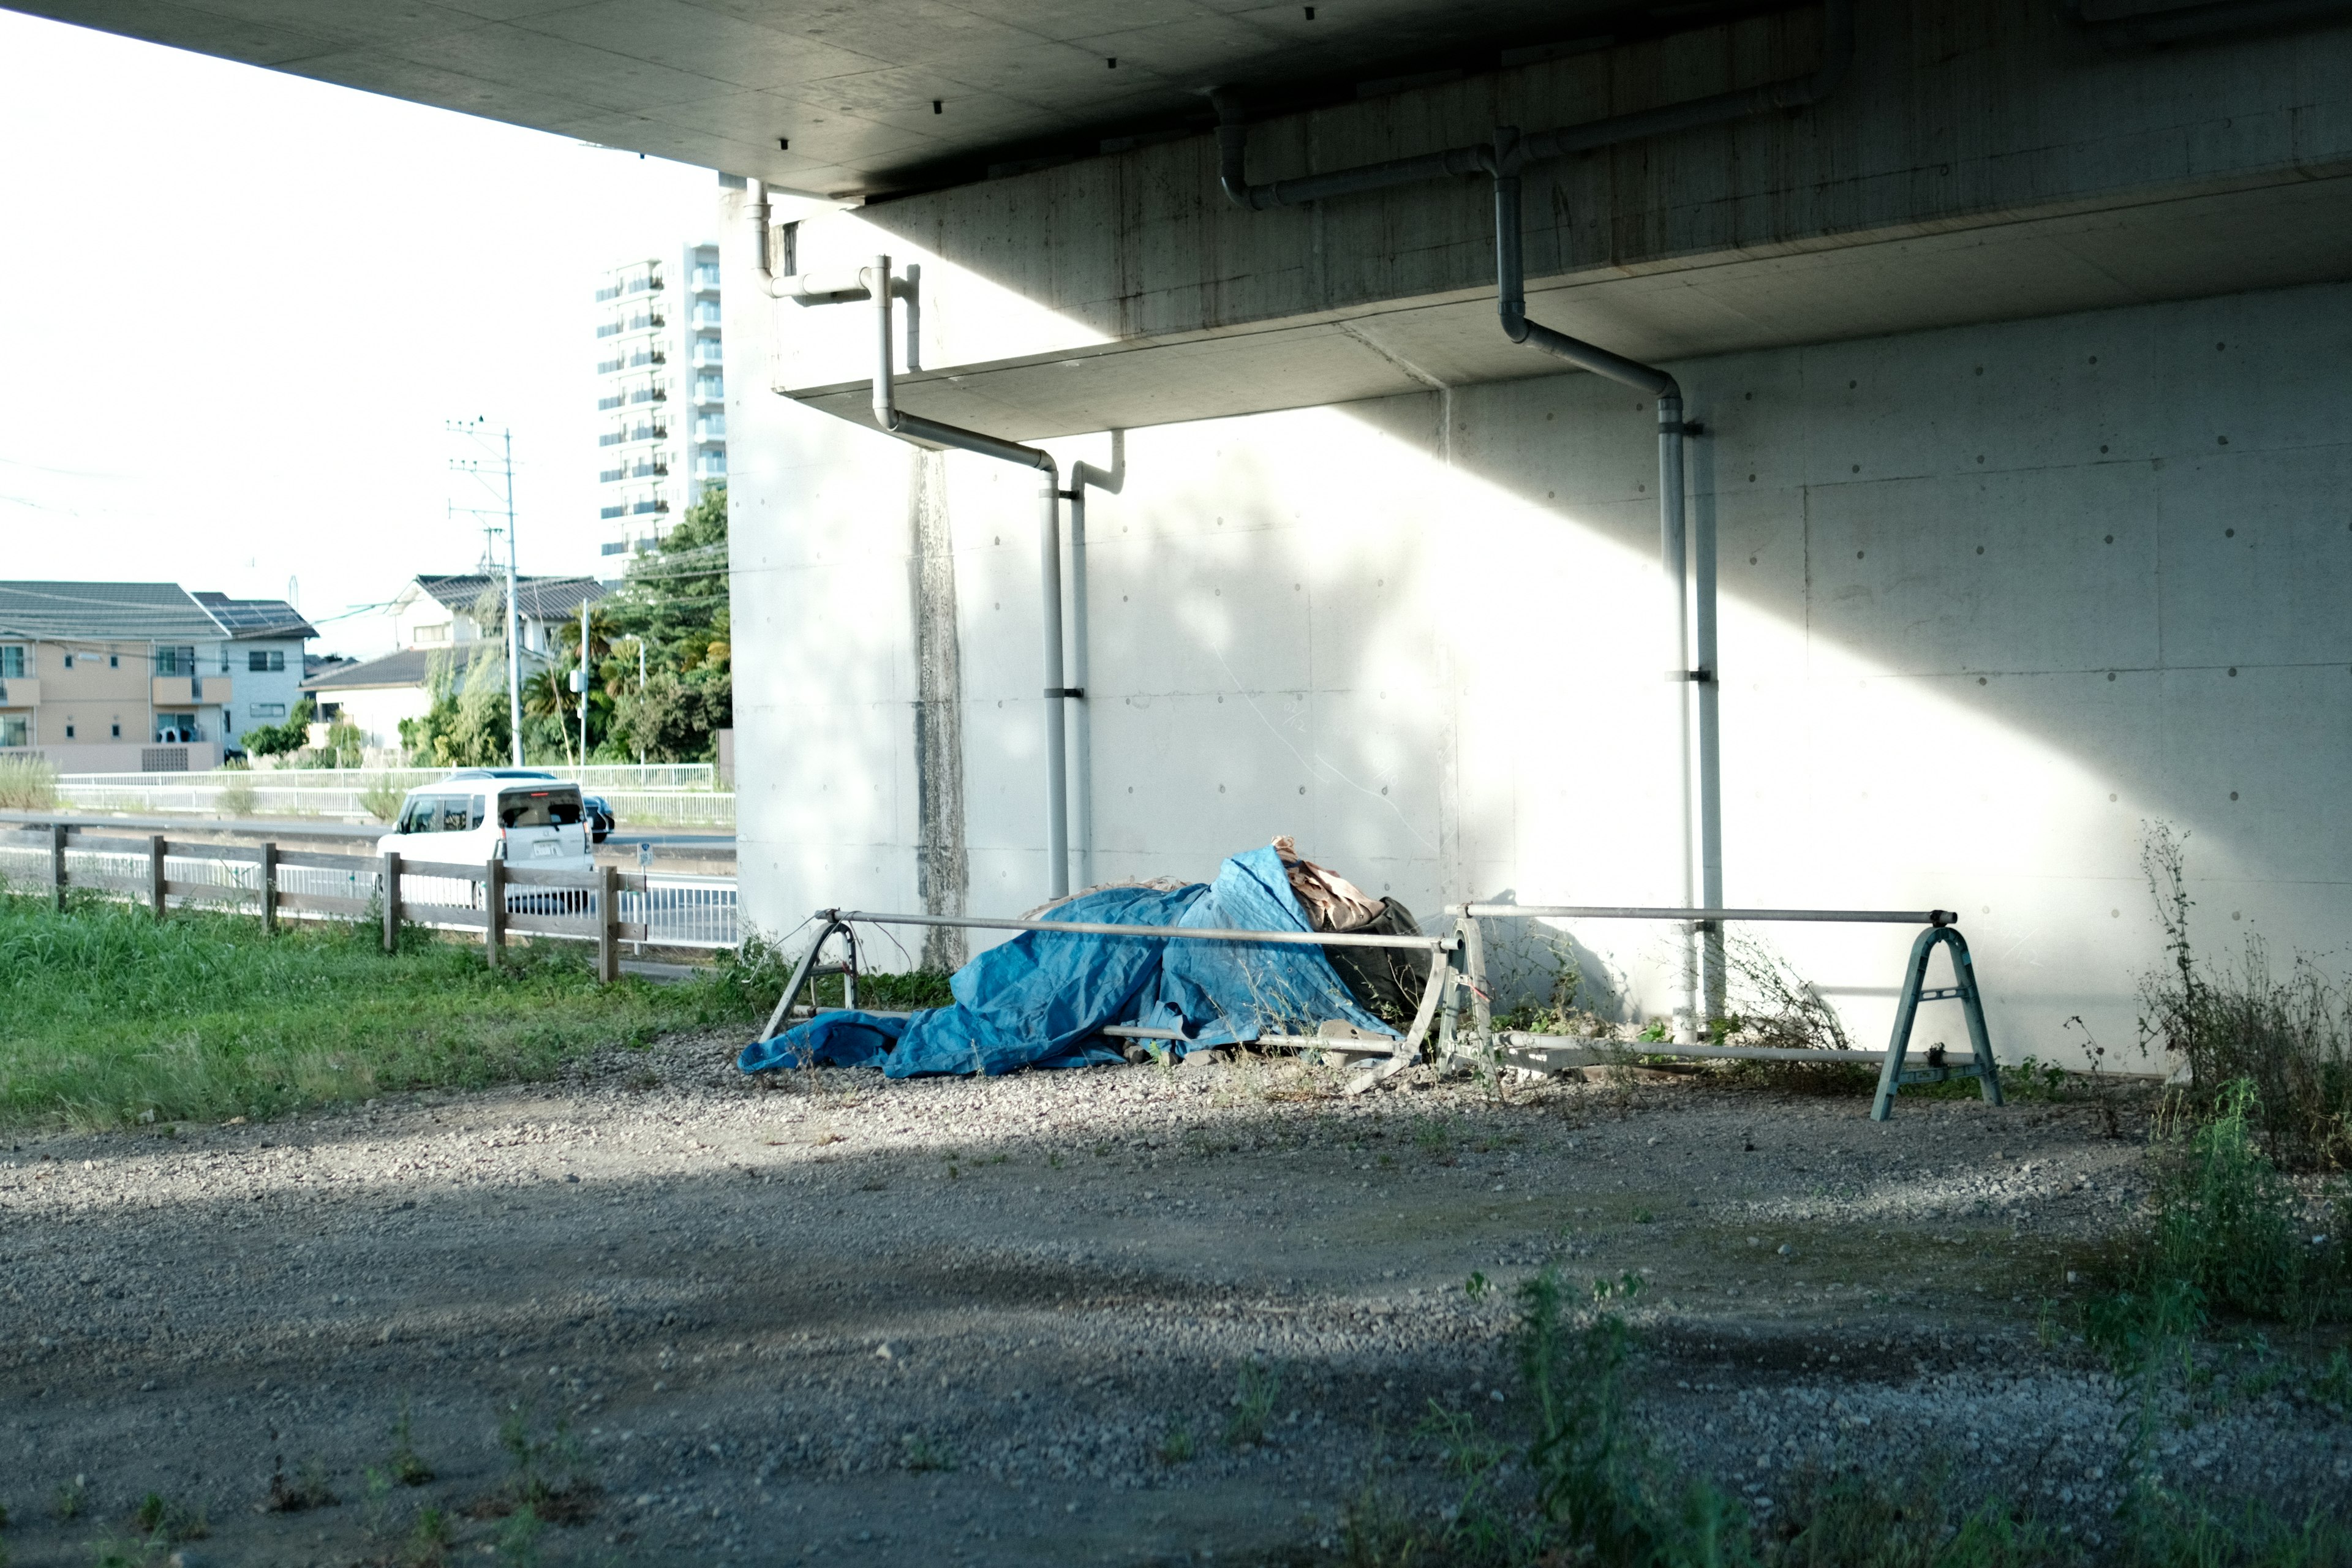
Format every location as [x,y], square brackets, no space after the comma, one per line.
[279,740]
[675,606]
[467,725]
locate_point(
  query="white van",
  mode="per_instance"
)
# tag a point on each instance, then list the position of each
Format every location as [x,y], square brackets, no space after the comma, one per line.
[515,815]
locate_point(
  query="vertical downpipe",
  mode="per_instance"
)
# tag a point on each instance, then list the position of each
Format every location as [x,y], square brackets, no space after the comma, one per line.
[1081,721]
[1710,740]
[1057,783]
[1672,552]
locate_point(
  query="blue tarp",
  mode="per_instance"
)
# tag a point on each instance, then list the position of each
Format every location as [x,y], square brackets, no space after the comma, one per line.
[1040,1000]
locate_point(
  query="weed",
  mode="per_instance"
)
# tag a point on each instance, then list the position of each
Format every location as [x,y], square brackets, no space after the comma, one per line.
[306,1491]
[518,1544]
[2333,1386]
[406,1466]
[1476,1286]
[1176,1447]
[27,783]
[1836,1519]
[550,1480]
[161,1520]
[921,1453]
[2226,1237]
[108,1552]
[237,797]
[1252,1404]
[1435,1138]
[383,801]
[429,1539]
[71,1498]
[2290,1038]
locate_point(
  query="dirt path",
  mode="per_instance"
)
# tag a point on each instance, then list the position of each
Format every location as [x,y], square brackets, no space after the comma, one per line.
[1013,1321]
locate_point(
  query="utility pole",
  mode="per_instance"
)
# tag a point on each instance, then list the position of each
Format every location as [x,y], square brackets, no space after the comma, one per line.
[474,430]
[582,679]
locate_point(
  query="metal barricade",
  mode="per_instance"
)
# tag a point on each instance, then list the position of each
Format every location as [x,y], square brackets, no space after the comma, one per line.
[1942,930]
[1398,1054]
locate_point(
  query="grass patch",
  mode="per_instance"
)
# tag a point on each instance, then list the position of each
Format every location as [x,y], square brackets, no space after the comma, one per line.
[906,992]
[109,1017]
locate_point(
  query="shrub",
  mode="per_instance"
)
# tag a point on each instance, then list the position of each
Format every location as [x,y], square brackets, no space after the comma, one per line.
[381,801]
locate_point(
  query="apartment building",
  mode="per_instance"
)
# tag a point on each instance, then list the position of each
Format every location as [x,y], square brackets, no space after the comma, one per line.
[660,392]
[141,676]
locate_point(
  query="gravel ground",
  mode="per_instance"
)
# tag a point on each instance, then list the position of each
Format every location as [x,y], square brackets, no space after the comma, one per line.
[1011,1321]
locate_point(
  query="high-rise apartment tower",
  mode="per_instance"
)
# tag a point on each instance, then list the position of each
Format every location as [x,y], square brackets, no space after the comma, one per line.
[660,393]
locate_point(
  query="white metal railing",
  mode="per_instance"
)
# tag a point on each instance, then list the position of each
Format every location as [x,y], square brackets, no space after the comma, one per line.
[596,775]
[673,911]
[680,808]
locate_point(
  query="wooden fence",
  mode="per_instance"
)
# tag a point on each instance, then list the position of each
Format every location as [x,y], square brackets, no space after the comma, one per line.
[495,898]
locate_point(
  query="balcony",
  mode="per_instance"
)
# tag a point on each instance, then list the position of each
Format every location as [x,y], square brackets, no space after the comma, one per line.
[20,691]
[611,292]
[606,476]
[612,438]
[706,280]
[706,314]
[641,508]
[708,353]
[712,427]
[648,356]
[184,690]
[613,511]
[645,394]
[607,366]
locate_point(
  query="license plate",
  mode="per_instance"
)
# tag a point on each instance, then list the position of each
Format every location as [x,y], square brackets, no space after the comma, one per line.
[545,848]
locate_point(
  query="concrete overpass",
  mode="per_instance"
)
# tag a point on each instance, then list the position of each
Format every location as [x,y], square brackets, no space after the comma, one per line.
[2021,356]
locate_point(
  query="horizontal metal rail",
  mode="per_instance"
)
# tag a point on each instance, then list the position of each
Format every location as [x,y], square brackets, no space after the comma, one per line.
[1200,933]
[1639,912]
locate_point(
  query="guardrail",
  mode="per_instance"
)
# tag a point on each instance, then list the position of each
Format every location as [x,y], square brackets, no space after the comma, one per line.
[684,807]
[595,776]
[1551,1052]
[606,906]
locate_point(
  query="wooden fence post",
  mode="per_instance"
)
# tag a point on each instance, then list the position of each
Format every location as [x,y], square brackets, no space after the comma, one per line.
[494,909]
[155,874]
[390,900]
[57,865]
[608,924]
[268,888]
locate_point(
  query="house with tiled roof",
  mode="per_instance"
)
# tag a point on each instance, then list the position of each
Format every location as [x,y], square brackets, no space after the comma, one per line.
[442,627]
[141,676]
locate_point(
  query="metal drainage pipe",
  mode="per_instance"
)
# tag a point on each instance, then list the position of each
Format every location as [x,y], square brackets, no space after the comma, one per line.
[875,283]
[1503,159]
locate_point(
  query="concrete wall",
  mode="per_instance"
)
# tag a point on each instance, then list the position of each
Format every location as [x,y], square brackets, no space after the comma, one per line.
[1994,598]
[1957,115]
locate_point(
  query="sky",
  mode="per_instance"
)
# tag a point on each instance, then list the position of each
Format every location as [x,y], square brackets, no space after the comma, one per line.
[245,307]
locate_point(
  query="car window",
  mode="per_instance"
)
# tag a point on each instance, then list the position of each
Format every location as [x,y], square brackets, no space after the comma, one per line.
[441,814]
[540,808]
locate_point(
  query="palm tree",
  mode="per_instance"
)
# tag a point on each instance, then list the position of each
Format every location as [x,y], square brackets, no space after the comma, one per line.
[545,695]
